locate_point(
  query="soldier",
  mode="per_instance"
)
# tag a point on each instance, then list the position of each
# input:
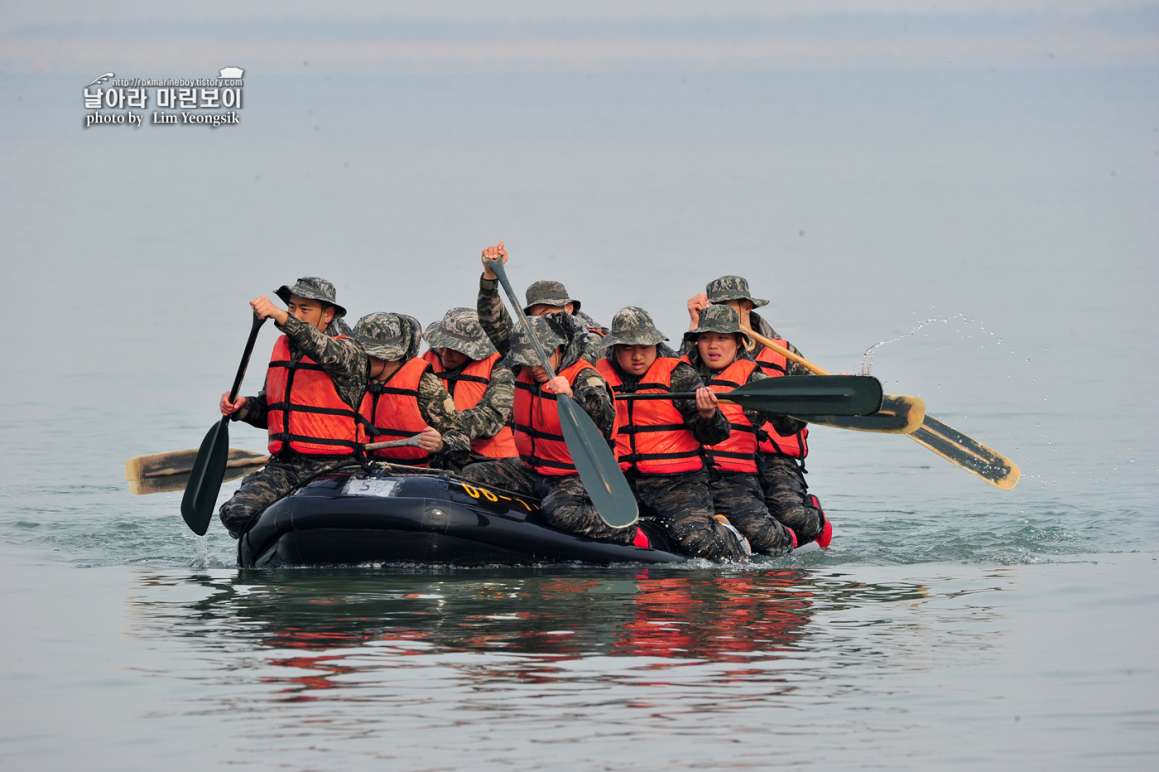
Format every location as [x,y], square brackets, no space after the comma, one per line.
[551,297]
[545,467]
[717,351]
[404,398]
[782,453]
[308,402]
[482,387]
[658,442]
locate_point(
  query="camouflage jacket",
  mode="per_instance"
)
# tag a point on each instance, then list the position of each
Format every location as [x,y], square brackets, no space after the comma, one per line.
[342,359]
[707,431]
[493,410]
[589,388]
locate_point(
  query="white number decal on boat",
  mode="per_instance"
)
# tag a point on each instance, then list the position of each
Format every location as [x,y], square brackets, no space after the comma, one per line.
[369,487]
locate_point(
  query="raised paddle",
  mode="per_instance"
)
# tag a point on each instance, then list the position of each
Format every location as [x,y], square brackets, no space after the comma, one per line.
[946,441]
[209,467]
[601,475]
[847,395]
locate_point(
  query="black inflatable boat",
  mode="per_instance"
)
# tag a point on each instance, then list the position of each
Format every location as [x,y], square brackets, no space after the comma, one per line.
[364,517]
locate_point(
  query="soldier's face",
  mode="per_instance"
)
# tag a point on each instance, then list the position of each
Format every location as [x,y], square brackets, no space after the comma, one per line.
[542,309]
[635,360]
[717,349]
[317,315]
[451,359]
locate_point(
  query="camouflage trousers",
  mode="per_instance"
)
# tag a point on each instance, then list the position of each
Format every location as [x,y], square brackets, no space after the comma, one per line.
[739,498]
[274,481]
[787,496]
[683,504]
[563,502]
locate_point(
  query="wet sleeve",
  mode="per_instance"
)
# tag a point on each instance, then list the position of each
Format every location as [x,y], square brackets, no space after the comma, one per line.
[592,393]
[707,431]
[342,358]
[493,410]
[438,410]
[493,317]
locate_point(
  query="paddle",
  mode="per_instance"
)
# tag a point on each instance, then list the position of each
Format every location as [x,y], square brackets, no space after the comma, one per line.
[209,467]
[832,394]
[169,471]
[899,414]
[947,442]
[593,459]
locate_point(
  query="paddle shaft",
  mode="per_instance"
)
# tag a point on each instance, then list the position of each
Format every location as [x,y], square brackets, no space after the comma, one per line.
[772,345]
[245,357]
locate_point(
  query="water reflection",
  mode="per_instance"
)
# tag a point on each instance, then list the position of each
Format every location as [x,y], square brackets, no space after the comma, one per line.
[322,631]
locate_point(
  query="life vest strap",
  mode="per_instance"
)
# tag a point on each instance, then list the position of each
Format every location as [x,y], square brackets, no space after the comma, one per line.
[637,429]
[294,406]
[291,364]
[532,431]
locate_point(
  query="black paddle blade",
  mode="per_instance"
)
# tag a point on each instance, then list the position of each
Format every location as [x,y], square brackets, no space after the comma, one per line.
[810,395]
[205,480]
[899,414]
[598,469]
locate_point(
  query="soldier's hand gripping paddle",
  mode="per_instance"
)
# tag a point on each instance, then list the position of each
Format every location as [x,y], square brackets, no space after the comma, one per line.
[838,395]
[209,467]
[601,475]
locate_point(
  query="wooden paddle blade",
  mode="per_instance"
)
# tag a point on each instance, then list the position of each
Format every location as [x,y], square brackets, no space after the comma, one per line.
[177,482]
[899,414]
[601,474]
[968,453]
[179,463]
[205,478]
[843,395]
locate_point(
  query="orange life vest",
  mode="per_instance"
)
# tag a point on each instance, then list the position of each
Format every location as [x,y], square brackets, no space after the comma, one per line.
[390,410]
[467,388]
[650,434]
[535,418]
[739,452]
[774,443]
[305,414]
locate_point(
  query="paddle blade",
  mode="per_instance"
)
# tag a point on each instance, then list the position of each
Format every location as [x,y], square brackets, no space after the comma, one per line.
[968,453]
[840,395]
[601,475]
[899,414]
[205,479]
[169,471]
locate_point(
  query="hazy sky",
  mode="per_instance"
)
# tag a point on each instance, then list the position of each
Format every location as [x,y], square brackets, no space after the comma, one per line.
[866,164]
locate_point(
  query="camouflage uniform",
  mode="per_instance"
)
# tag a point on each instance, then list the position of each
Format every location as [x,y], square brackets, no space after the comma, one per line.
[345,362]
[681,502]
[460,331]
[395,338]
[736,495]
[564,503]
[782,477]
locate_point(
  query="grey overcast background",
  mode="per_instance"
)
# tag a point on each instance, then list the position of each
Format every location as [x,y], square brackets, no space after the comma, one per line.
[868,165]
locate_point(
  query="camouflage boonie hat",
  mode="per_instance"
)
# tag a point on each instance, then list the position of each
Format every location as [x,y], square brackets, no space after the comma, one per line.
[632,326]
[728,288]
[388,336]
[313,288]
[548,293]
[460,331]
[523,353]
[720,319]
